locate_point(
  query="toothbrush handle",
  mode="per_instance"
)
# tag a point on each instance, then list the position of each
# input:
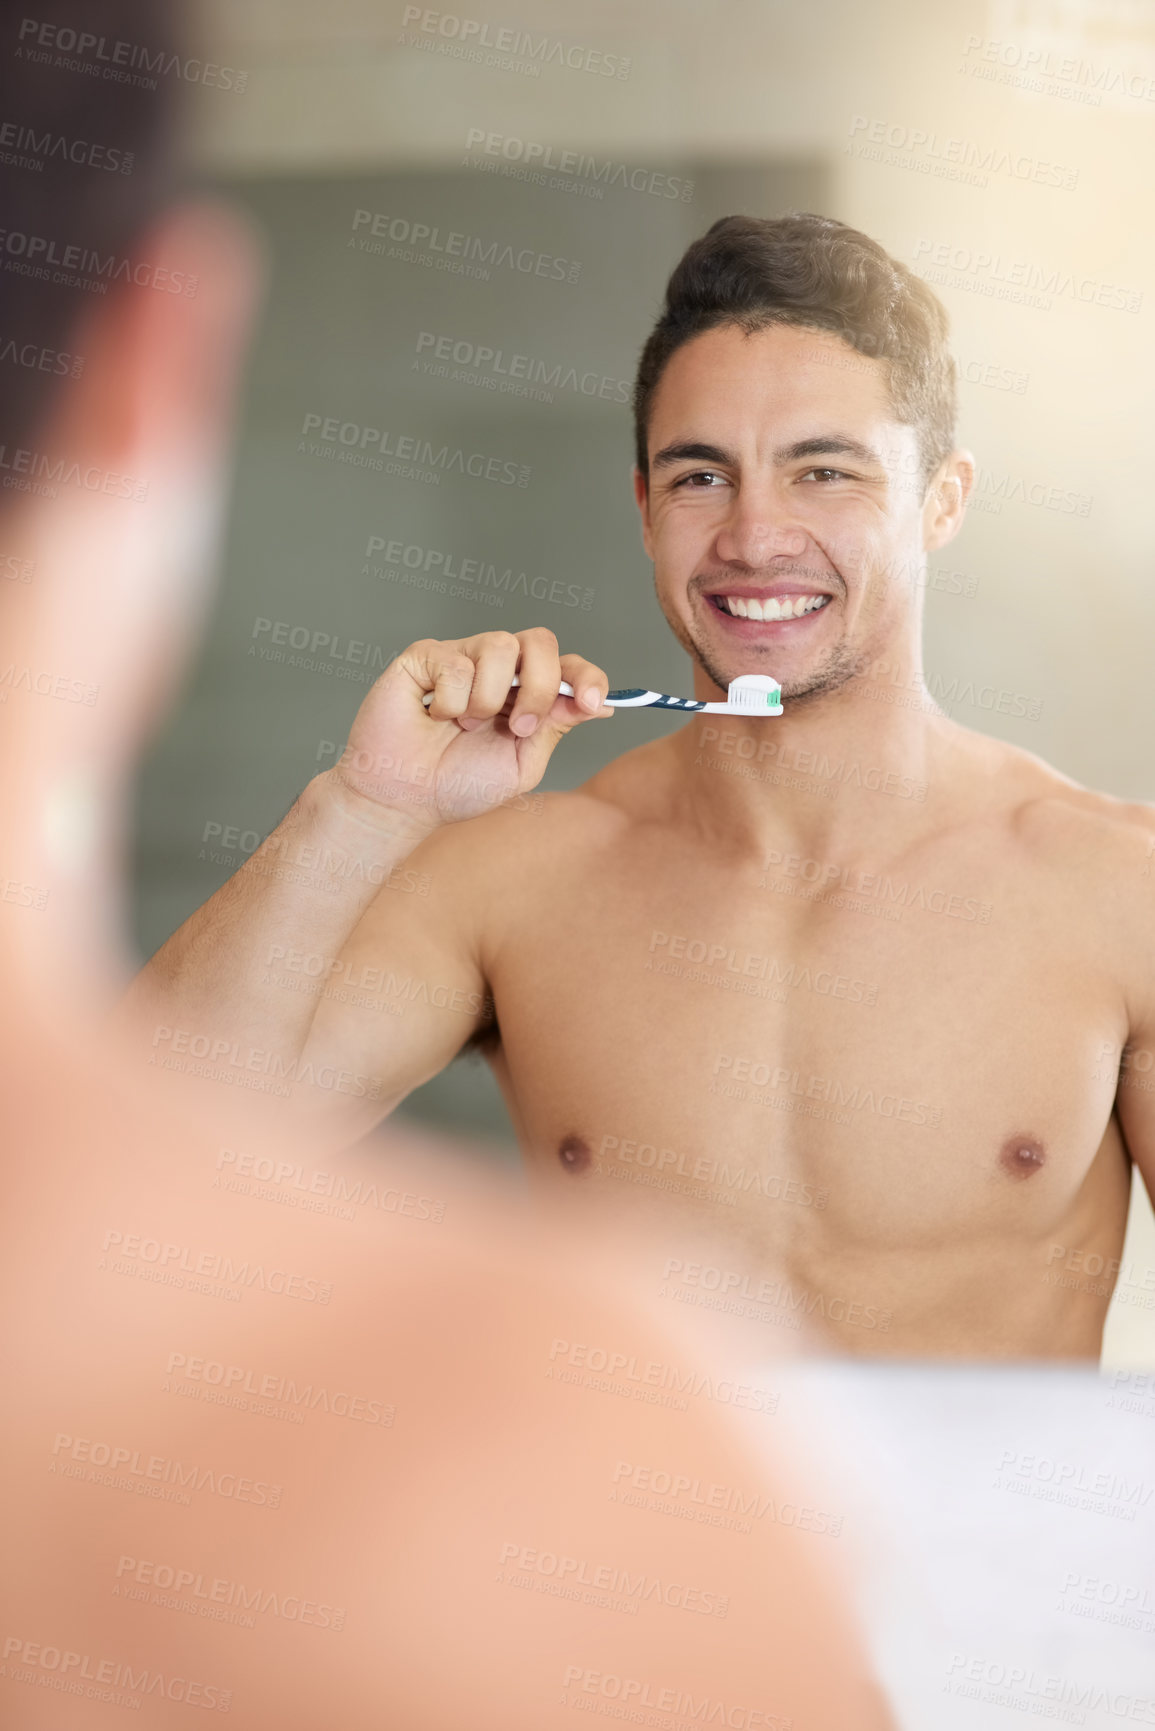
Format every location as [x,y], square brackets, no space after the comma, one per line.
[633,698]
[565,689]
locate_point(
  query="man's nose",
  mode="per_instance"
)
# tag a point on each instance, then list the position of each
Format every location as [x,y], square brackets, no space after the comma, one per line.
[759,527]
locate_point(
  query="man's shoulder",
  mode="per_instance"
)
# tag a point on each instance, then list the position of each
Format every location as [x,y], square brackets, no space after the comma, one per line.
[1058,819]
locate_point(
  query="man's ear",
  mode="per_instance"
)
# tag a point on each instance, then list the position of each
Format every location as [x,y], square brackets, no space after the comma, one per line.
[642,495]
[148,424]
[119,562]
[945,505]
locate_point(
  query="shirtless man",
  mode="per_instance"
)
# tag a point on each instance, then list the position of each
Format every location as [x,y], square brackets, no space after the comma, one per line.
[844,985]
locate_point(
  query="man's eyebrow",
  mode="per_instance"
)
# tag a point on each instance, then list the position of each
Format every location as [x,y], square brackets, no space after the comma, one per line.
[828,444]
[825,444]
[690,451]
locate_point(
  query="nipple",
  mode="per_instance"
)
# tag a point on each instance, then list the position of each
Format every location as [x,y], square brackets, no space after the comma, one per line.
[1021,1156]
[574,1154]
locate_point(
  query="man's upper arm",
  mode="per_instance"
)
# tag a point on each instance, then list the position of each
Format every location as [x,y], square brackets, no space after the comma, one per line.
[1135,1099]
[407,990]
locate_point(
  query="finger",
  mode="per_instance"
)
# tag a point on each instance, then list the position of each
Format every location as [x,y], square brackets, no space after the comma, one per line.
[590,684]
[440,674]
[495,654]
[449,675]
[539,673]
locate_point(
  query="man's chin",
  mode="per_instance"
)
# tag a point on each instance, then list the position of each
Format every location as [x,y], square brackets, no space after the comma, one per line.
[805,684]
[820,683]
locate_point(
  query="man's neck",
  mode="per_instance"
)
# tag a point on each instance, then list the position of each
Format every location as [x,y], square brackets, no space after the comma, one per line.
[833,773]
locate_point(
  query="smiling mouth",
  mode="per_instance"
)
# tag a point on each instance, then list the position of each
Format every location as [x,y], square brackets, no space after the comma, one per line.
[769,609]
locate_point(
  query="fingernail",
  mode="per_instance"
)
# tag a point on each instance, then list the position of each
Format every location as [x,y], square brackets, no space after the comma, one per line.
[590,698]
[523,725]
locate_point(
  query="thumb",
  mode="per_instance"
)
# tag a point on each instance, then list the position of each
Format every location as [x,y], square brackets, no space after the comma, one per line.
[534,753]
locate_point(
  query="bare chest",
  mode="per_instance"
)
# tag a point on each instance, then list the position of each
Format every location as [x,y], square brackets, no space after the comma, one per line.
[814,1047]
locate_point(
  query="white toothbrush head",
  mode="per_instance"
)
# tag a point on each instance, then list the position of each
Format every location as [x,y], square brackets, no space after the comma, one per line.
[754,694]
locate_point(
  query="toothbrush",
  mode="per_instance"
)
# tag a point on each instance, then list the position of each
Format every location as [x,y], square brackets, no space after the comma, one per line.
[749,694]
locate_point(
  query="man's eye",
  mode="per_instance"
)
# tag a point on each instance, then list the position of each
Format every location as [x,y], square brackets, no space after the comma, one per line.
[827,475]
[700,478]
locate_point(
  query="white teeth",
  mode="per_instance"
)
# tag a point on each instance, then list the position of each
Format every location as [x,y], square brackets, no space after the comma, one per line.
[744,608]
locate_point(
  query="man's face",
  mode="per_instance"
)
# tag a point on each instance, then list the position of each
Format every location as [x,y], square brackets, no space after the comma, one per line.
[784,513]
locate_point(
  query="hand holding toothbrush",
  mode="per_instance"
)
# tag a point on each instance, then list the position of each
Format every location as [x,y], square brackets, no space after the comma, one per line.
[455,728]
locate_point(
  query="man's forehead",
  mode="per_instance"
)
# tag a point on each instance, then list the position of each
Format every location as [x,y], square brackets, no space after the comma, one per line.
[778,387]
[778,364]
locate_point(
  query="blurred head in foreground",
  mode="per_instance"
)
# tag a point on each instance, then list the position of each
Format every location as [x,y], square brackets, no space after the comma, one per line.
[312,1441]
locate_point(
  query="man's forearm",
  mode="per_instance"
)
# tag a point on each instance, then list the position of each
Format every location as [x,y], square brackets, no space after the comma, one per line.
[232,969]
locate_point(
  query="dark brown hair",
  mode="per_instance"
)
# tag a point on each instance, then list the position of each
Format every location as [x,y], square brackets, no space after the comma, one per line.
[57,95]
[814,272]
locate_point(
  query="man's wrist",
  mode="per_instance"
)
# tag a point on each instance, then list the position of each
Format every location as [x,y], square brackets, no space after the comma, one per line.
[355,823]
